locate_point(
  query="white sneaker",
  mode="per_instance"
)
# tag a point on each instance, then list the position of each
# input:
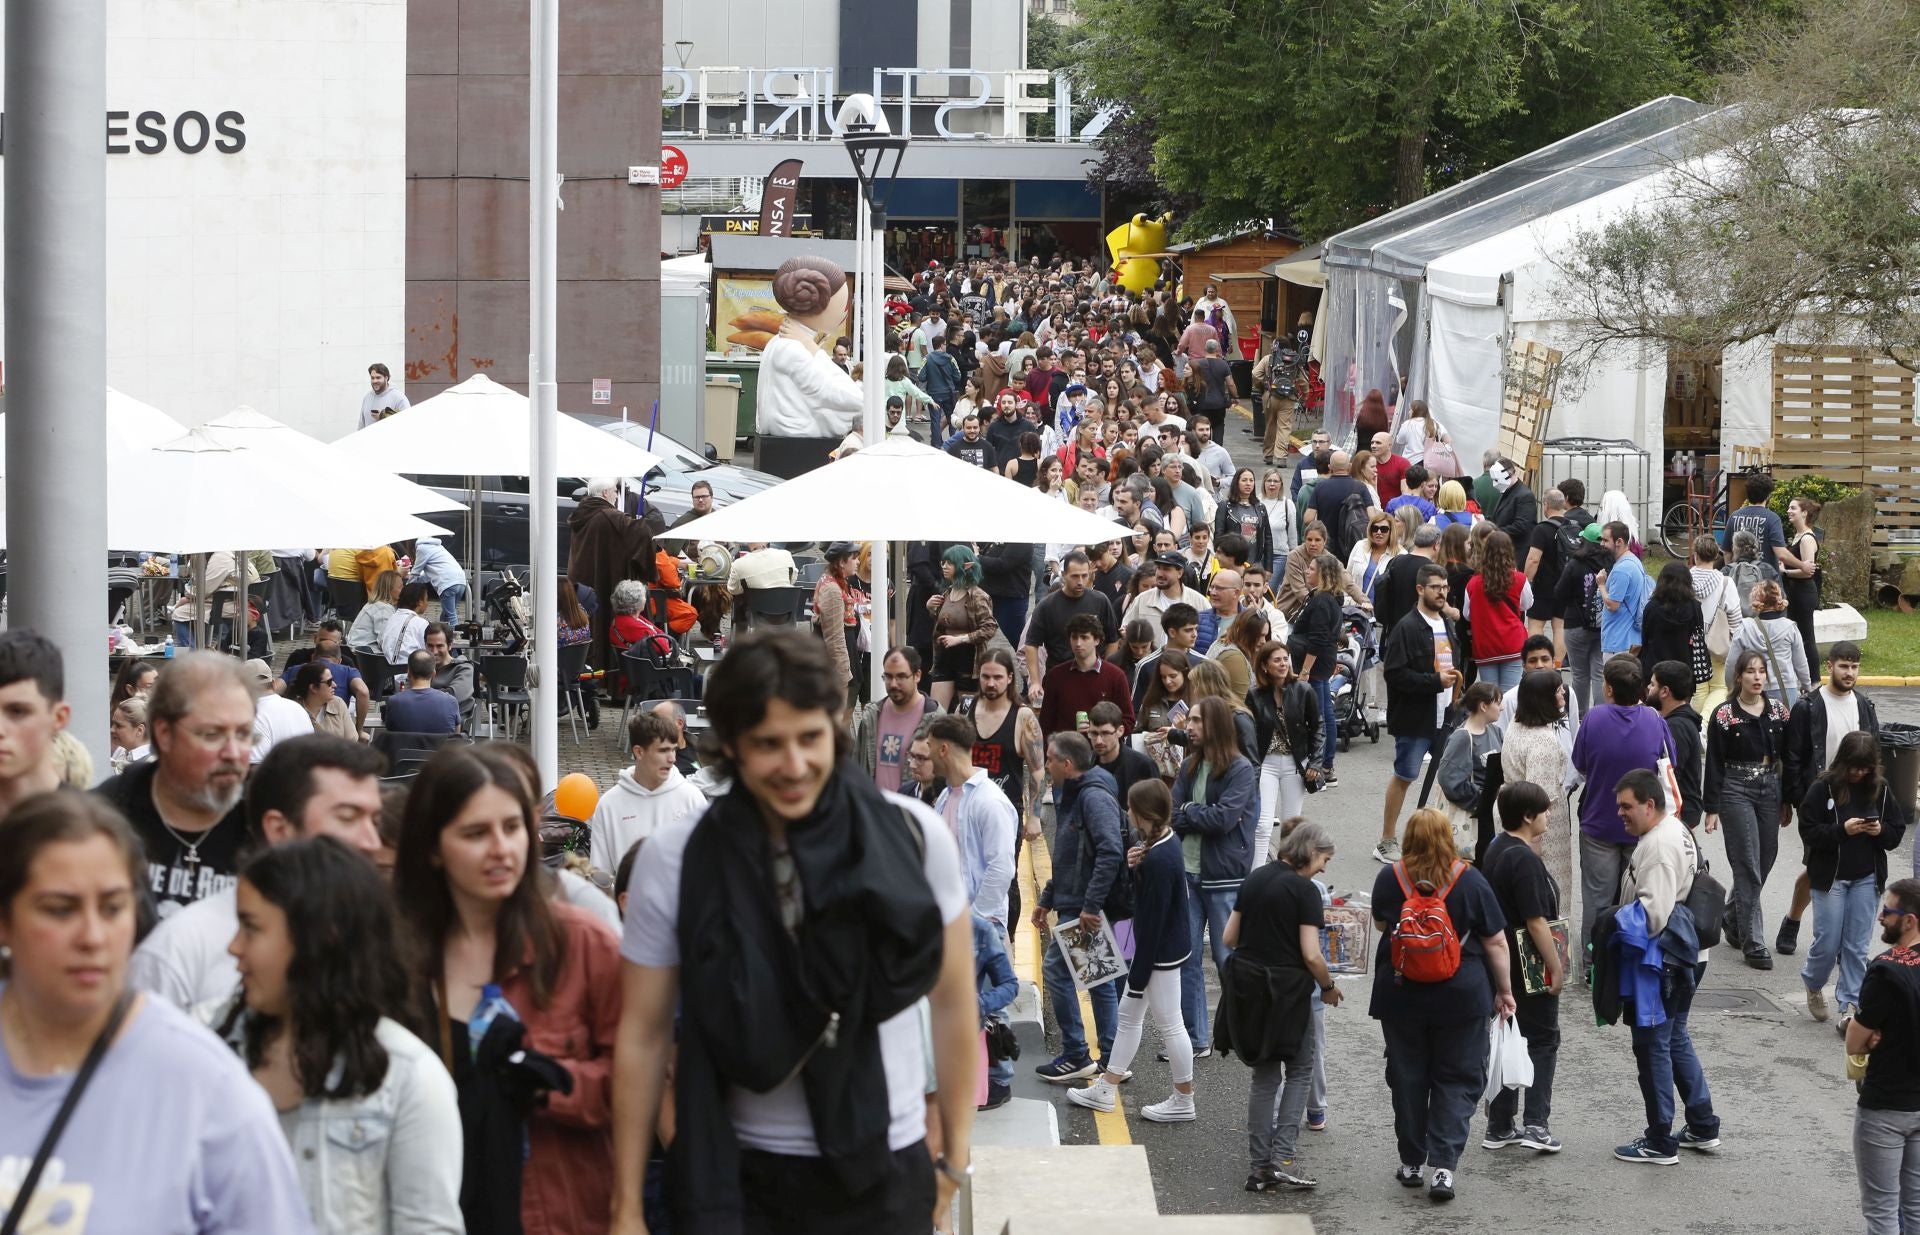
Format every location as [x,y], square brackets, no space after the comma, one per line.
[1177,1109]
[1387,851]
[1098,1096]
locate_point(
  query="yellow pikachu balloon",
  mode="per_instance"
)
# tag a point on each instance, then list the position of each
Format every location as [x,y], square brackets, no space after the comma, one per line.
[1137,274]
[1126,245]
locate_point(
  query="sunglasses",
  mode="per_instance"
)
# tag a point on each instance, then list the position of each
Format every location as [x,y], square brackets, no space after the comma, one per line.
[1889,912]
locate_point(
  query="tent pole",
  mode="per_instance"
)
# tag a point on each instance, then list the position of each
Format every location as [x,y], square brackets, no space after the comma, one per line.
[543,103]
[55,344]
[873,429]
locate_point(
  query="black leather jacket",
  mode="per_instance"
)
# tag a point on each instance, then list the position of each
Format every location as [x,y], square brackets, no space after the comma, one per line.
[1306,733]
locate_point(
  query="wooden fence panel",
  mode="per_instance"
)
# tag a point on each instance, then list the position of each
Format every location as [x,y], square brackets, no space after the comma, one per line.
[1847,414]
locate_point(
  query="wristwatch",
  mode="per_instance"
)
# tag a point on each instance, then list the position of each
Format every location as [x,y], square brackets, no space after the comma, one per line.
[959,1177]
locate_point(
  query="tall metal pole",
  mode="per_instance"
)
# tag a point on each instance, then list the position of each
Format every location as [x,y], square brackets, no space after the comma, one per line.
[862,225]
[543,190]
[56,339]
[874,425]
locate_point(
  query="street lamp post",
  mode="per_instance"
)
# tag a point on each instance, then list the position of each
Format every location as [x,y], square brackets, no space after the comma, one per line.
[876,153]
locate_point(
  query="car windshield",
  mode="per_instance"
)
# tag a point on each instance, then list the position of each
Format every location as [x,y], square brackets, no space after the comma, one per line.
[673,456]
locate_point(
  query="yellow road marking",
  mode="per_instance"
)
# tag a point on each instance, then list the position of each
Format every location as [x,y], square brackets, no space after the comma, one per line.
[1036,868]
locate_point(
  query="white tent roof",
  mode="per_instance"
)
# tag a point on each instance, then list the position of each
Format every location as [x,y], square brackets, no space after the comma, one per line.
[901,490]
[358,481]
[481,428]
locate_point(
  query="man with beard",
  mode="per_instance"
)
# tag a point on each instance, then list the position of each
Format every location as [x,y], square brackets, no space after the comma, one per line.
[317,785]
[608,545]
[185,804]
[883,729]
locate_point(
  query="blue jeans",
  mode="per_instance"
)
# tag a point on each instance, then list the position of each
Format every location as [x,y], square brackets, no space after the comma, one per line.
[1011,614]
[1436,1071]
[1323,689]
[1066,1007]
[1207,914]
[1843,920]
[1503,673]
[1666,1059]
[183,635]
[451,598]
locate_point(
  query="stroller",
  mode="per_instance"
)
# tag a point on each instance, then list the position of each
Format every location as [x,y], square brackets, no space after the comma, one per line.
[1353,704]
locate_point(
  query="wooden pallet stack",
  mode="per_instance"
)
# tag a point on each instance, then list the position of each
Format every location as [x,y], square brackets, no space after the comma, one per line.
[1533,373]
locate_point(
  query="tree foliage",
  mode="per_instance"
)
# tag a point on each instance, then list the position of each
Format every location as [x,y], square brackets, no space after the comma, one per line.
[1323,112]
[1796,213]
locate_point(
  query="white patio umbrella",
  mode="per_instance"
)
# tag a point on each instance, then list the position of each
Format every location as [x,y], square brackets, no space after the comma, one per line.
[353,478]
[162,498]
[481,428]
[134,423]
[901,490]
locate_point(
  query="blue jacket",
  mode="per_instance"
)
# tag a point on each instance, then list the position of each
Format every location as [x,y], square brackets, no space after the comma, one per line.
[433,563]
[1224,821]
[992,971]
[1161,931]
[1086,808]
[1641,964]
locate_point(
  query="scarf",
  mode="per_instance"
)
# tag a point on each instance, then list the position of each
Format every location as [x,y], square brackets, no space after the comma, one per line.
[760,1006]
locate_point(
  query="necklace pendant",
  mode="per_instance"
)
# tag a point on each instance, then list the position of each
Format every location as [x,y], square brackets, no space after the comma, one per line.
[191,858]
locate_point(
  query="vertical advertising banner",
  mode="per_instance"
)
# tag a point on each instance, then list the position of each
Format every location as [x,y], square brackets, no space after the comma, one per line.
[780,200]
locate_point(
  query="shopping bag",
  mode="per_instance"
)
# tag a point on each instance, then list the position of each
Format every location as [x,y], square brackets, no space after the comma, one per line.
[1508,1064]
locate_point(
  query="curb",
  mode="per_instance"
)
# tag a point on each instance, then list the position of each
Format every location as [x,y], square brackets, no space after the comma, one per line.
[1873,680]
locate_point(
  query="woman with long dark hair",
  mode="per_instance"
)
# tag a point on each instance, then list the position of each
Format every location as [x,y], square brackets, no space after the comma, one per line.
[1436,1031]
[315,689]
[1216,809]
[1534,749]
[1161,949]
[491,943]
[1802,585]
[1850,821]
[1241,510]
[1670,620]
[1315,645]
[136,677]
[169,1110]
[321,989]
[1497,600]
[963,623]
[1746,740]
[1288,734]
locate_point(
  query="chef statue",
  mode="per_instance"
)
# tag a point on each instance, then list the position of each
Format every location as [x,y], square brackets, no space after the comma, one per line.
[804,397]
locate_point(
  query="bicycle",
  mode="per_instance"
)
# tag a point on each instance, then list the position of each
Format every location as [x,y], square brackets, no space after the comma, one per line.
[1703,512]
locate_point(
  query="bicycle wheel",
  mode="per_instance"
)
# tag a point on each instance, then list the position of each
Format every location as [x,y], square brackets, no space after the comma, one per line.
[1678,527]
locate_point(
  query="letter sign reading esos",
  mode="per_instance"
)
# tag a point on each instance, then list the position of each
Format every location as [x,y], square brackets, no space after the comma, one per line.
[673,167]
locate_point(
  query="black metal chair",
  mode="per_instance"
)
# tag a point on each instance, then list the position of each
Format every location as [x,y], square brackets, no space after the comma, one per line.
[776,606]
[649,679]
[407,753]
[503,683]
[573,663]
[375,669]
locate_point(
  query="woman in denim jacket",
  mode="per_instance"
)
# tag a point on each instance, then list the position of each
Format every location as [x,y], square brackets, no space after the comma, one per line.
[369,1111]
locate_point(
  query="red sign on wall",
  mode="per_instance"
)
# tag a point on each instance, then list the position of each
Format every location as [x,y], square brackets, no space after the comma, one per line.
[673,167]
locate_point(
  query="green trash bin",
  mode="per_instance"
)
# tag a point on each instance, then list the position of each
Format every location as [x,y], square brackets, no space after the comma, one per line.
[1900,760]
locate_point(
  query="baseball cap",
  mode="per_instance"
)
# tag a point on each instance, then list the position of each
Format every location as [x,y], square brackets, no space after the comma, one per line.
[258,672]
[1170,559]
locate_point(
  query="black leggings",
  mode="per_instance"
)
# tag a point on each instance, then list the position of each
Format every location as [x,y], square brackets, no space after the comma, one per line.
[1803,597]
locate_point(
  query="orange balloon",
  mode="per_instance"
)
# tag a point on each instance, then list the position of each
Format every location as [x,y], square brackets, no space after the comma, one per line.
[576,795]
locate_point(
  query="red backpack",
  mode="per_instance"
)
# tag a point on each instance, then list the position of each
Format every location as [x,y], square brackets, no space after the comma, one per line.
[1424,946]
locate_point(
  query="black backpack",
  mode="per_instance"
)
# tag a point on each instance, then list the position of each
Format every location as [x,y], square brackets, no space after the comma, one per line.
[1119,904]
[1350,528]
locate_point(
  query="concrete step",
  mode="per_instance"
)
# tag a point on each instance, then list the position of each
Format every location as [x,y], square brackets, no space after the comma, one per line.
[1216,1224]
[1021,1122]
[1043,1187]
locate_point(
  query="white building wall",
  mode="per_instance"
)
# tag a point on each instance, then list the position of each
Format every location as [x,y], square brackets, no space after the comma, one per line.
[274,275]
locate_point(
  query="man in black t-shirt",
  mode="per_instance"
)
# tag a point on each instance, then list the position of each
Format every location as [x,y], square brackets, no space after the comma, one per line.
[185,805]
[1048,628]
[1530,902]
[1887,1031]
[1540,563]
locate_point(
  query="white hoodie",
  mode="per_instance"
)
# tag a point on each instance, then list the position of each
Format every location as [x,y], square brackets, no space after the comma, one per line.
[630,811]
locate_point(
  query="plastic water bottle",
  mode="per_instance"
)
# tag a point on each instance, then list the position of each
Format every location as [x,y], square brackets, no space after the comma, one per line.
[492,1006]
[167,650]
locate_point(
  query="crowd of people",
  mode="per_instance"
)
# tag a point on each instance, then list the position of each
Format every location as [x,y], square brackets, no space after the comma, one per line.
[756,997]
